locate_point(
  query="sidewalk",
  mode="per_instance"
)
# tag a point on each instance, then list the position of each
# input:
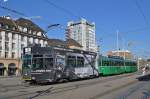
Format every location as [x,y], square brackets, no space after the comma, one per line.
[10,80]
[1,77]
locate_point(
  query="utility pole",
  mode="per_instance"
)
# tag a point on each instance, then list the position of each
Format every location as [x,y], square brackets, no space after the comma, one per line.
[138,63]
[117,43]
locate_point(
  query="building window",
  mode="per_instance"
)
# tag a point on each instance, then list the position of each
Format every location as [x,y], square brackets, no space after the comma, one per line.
[6,26]
[20,28]
[34,33]
[22,46]
[6,37]
[33,41]
[39,34]
[25,30]
[13,28]
[0,53]
[0,45]
[29,31]
[0,36]
[22,38]
[13,54]
[6,54]
[6,46]
[28,41]
[13,37]
[13,46]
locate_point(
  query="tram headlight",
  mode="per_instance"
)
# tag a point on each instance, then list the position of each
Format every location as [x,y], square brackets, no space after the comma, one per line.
[33,78]
[59,68]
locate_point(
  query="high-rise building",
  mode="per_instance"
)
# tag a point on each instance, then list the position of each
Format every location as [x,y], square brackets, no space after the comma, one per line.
[84,33]
[14,36]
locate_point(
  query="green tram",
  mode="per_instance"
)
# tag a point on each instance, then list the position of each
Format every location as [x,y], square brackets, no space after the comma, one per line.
[113,65]
[26,67]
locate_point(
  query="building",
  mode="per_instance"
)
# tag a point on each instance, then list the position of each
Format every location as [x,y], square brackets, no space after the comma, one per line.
[14,36]
[84,33]
[122,53]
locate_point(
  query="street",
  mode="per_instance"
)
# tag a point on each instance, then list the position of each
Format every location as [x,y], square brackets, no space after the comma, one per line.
[138,90]
[124,86]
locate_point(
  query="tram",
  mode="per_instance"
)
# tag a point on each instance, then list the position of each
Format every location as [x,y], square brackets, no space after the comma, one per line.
[116,65]
[53,64]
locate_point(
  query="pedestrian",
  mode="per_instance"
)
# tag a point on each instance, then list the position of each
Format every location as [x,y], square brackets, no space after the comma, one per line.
[143,73]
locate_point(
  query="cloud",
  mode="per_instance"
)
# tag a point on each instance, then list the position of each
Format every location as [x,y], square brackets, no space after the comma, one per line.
[5,0]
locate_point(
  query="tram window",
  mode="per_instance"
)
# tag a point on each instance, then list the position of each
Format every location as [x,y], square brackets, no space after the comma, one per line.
[120,63]
[80,61]
[37,55]
[128,64]
[117,63]
[100,62]
[111,63]
[60,61]
[71,61]
[48,63]
[26,61]
[38,63]
[114,63]
[135,64]
[105,63]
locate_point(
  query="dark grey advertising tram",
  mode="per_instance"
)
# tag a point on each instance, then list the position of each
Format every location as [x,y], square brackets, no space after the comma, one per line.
[52,64]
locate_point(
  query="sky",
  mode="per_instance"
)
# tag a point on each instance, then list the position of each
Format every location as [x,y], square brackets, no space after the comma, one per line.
[131,18]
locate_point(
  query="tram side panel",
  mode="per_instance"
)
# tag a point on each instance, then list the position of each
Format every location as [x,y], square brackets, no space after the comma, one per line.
[81,66]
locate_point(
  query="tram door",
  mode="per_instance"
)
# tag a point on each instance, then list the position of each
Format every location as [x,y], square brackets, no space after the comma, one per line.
[60,62]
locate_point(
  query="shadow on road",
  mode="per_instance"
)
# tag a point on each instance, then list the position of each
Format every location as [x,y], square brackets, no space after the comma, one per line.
[144,78]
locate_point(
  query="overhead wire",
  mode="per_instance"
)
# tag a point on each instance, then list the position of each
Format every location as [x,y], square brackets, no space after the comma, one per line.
[13,11]
[62,9]
[141,11]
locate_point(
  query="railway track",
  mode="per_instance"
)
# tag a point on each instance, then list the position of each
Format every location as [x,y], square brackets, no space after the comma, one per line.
[81,85]
[6,88]
[54,89]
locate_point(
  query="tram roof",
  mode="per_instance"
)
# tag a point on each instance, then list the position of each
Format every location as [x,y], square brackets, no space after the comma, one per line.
[47,50]
[117,59]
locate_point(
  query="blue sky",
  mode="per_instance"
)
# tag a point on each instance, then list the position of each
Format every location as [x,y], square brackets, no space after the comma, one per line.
[109,16]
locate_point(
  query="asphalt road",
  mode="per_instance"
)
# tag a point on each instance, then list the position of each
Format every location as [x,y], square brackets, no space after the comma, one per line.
[112,87]
[138,90]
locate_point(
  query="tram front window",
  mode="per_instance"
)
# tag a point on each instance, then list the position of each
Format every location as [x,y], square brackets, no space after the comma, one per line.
[42,62]
[37,62]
